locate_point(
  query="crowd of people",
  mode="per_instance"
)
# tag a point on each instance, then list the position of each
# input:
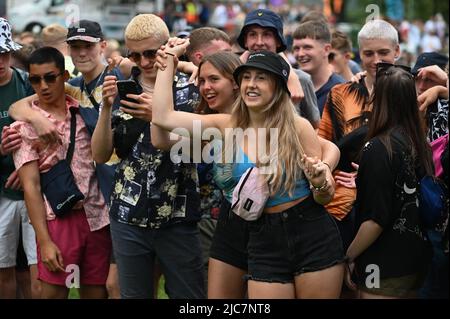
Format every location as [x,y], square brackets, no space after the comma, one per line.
[326,205]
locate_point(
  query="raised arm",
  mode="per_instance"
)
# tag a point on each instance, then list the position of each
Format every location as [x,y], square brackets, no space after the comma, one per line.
[22,111]
[434,73]
[295,88]
[330,153]
[164,114]
[315,170]
[102,139]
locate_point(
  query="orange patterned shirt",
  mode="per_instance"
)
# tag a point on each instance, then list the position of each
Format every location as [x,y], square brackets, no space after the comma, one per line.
[346,102]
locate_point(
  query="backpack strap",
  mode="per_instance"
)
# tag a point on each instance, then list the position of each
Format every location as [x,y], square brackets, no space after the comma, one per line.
[83,87]
[23,75]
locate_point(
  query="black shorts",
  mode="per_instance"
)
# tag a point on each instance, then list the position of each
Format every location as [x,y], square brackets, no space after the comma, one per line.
[302,239]
[229,243]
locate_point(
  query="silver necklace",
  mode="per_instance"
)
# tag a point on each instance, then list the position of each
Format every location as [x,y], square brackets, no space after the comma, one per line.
[95,86]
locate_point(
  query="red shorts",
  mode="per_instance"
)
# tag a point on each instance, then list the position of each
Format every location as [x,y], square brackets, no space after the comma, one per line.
[83,250]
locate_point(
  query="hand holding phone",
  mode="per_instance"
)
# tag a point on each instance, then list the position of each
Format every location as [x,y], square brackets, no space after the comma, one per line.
[125,87]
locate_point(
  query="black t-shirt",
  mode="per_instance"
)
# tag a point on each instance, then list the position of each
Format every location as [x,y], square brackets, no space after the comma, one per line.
[387,194]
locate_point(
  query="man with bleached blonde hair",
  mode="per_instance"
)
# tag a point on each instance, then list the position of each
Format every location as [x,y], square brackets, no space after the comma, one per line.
[155,203]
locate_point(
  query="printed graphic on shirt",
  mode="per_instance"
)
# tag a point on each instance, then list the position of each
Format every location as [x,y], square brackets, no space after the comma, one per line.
[131,192]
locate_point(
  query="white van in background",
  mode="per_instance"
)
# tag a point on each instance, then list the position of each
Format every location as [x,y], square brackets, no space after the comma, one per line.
[113,15]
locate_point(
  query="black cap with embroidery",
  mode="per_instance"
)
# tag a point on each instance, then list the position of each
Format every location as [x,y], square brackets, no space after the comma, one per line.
[85,30]
[267,61]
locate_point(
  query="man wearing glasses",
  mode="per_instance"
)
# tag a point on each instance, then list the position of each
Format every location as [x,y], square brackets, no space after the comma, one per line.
[75,248]
[87,46]
[13,86]
[155,203]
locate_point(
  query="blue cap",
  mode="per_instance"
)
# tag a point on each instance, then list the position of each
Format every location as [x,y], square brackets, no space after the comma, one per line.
[429,58]
[267,19]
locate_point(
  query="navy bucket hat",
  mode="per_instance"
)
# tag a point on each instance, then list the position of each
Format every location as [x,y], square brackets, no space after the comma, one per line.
[267,19]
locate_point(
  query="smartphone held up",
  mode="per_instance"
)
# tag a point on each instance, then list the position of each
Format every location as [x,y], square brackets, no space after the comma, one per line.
[125,87]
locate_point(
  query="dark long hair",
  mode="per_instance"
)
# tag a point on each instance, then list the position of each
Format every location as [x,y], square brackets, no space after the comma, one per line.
[395,105]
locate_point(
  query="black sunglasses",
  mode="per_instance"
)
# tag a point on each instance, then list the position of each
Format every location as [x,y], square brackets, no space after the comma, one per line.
[383,68]
[148,54]
[48,78]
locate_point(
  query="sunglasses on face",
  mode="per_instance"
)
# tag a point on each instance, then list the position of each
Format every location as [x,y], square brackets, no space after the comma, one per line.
[48,78]
[148,54]
[383,68]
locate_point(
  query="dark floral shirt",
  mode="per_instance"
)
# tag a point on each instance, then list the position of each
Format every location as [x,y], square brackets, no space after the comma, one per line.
[210,194]
[150,190]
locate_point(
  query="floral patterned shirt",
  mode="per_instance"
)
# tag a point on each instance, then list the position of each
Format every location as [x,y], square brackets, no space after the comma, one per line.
[150,189]
[210,194]
[82,164]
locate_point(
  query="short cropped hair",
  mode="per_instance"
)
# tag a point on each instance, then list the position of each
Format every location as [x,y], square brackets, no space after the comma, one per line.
[341,42]
[47,55]
[202,37]
[378,29]
[145,26]
[315,30]
[314,16]
[53,34]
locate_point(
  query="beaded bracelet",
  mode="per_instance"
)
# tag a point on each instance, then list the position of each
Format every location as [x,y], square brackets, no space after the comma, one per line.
[322,188]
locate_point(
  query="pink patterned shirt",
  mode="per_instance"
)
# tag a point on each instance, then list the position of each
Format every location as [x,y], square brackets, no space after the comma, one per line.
[82,164]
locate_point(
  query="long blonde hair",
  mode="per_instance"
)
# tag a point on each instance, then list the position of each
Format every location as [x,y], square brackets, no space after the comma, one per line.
[280,114]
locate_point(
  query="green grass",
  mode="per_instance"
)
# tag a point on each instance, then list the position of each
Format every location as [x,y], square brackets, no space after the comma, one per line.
[161,291]
[74,294]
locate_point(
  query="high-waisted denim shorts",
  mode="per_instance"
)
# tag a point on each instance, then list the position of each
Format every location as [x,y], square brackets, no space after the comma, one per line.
[229,243]
[302,239]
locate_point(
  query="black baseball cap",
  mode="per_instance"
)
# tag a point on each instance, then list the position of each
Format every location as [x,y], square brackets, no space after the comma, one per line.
[264,18]
[429,58]
[267,61]
[85,30]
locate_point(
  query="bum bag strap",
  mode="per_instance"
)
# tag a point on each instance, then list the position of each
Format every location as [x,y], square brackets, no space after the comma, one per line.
[73,126]
[240,188]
